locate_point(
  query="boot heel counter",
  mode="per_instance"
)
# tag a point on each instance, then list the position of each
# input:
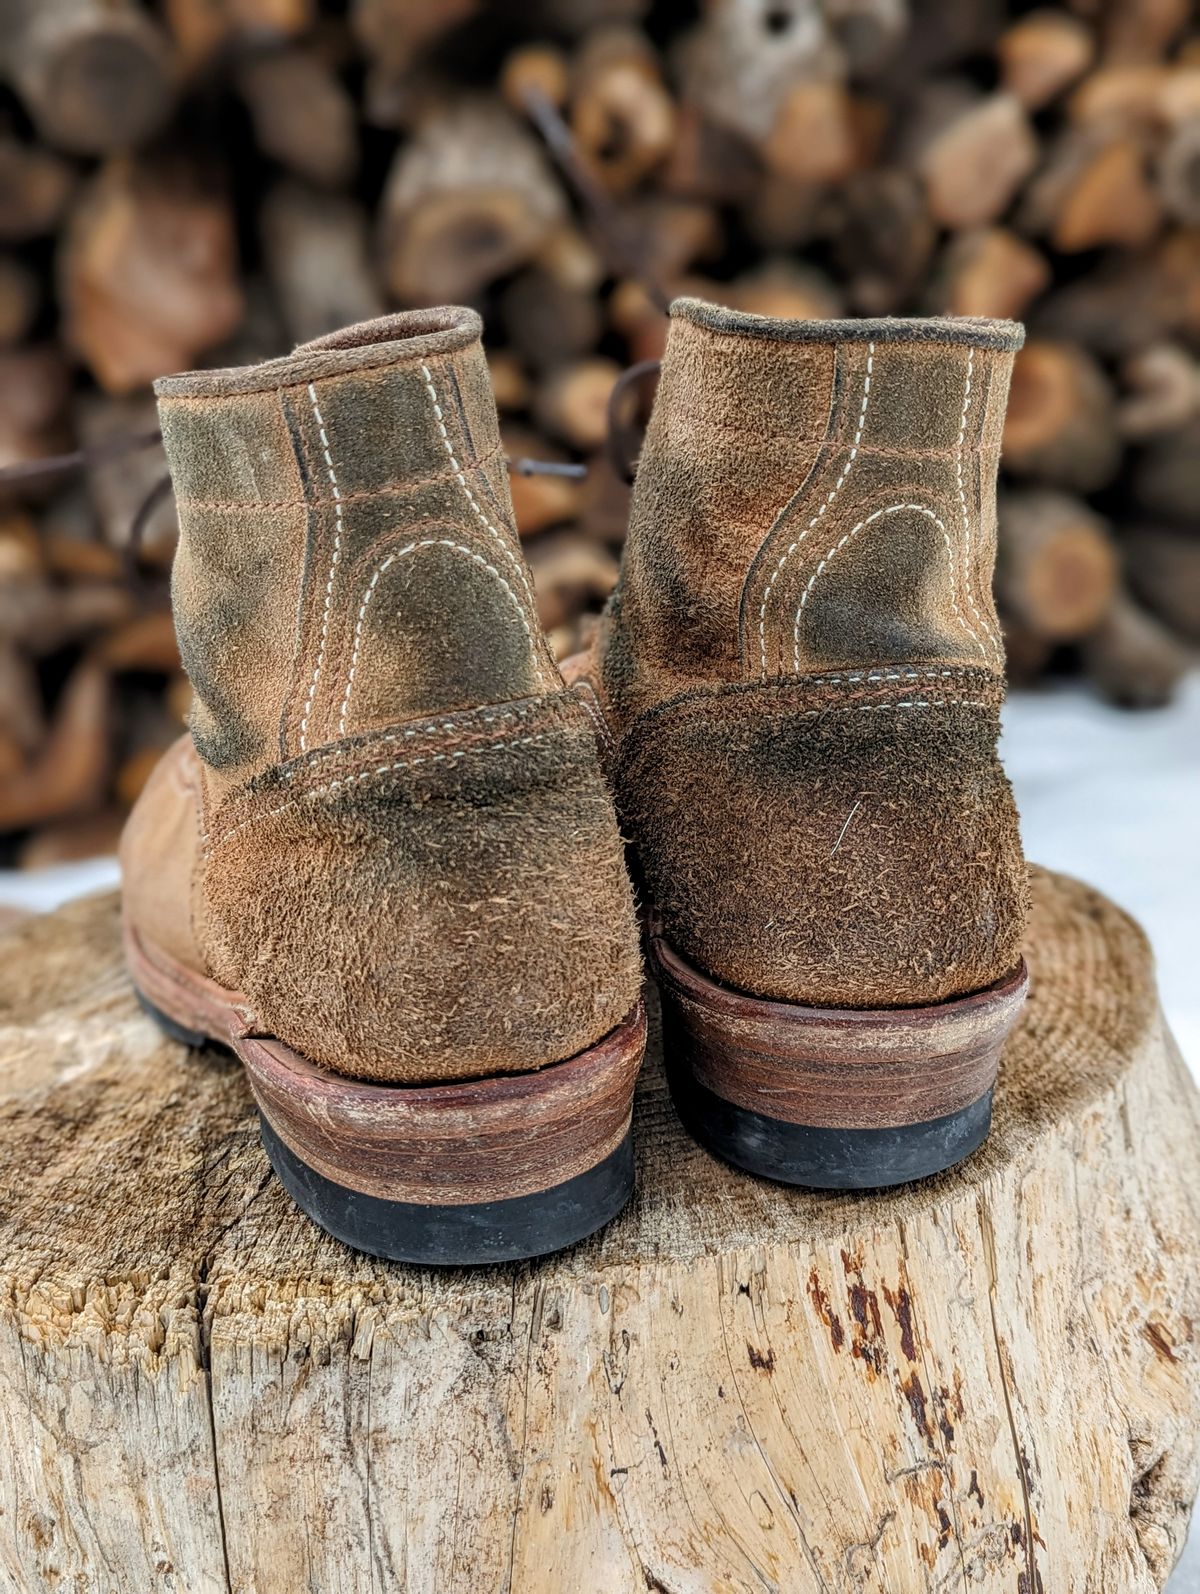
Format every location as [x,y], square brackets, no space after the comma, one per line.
[841,842]
[442,901]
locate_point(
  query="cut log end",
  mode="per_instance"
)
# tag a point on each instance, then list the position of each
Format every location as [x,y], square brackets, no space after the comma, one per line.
[96,78]
[1057,568]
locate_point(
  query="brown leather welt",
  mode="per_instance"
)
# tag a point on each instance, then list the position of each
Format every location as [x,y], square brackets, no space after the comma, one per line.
[848,1069]
[454,1143]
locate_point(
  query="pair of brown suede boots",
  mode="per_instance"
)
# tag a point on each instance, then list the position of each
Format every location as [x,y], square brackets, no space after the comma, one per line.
[387,867]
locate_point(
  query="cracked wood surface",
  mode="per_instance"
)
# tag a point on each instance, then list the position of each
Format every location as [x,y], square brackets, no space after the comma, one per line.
[987,1382]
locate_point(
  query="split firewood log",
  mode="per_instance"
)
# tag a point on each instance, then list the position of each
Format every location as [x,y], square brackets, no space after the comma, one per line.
[1061,422]
[95,75]
[317,255]
[604,509]
[739,62]
[1179,172]
[393,33]
[1143,30]
[146,643]
[1027,654]
[1042,54]
[815,135]
[782,214]
[148,272]
[708,161]
[22,721]
[1127,302]
[551,311]
[868,33]
[205,29]
[35,388]
[470,197]
[538,68]
[784,287]
[1165,477]
[42,618]
[73,840]
[1094,189]
[974,167]
[571,403]
[883,239]
[35,185]
[1164,571]
[571,573]
[1122,97]
[302,113]
[539,501]
[20,300]
[943,37]
[69,772]
[674,234]
[989,271]
[118,487]
[1161,393]
[621,113]
[1056,565]
[1133,658]
[400,40]
[548,321]
[510,380]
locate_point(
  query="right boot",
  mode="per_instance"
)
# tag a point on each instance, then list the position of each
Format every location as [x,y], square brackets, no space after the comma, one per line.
[384,867]
[801,672]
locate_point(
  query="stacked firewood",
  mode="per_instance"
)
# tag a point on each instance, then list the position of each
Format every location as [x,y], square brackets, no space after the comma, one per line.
[211,181]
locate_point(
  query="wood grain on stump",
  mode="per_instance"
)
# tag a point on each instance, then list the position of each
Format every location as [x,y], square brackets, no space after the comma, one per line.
[986,1382]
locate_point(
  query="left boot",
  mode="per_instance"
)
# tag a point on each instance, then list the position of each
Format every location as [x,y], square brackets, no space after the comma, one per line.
[384,866]
[802,670]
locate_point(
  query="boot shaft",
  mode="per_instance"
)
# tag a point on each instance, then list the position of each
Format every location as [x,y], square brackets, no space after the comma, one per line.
[812,497]
[802,661]
[347,554]
[406,860]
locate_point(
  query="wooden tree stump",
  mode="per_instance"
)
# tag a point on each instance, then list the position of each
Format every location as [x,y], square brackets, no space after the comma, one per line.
[987,1381]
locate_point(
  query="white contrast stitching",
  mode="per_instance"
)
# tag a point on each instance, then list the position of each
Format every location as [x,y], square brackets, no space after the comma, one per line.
[833,492]
[962,503]
[595,714]
[446,728]
[526,741]
[337,554]
[890,675]
[383,769]
[891,509]
[415,547]
[460,476]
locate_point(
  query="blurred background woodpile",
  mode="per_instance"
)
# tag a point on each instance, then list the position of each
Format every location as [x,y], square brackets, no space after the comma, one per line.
[211,181]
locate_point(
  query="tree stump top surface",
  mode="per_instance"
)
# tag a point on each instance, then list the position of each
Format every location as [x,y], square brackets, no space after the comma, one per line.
[984,1378]
[127,1158]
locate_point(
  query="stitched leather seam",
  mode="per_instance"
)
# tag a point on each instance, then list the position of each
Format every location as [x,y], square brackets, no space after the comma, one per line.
[829,498]
[401,553]
[355,777]
[398,490]
[878,514]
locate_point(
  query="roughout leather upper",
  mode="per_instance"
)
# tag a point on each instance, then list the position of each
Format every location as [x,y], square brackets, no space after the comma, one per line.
[802,663]
[401,849]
